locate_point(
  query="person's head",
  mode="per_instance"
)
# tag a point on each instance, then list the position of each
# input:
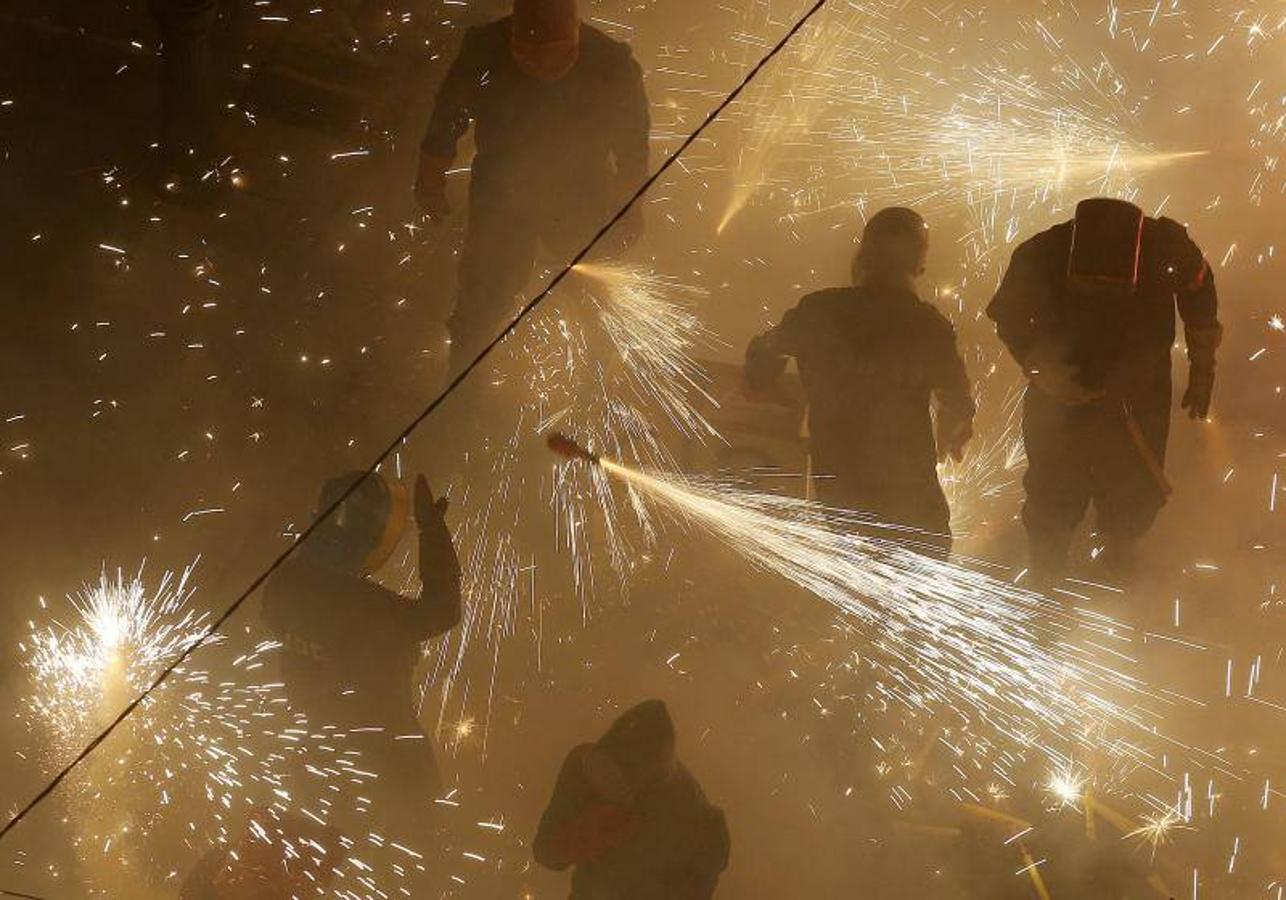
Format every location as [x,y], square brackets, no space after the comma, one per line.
[1107,241]
[545,37]
[363,532]
[894,247]
[637,752]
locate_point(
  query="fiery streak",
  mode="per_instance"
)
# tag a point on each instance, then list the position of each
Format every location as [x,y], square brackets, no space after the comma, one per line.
[1001,663]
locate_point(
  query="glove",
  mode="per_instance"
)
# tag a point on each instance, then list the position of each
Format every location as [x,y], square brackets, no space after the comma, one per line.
[598,830]
[764,368]
[1201,388]
[431,187]
[952,438]
[436,546]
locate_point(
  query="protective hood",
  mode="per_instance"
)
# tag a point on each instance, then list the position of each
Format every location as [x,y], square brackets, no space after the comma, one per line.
[894,243]
[545,37]
[640,738]
[1107,241]
[364,531]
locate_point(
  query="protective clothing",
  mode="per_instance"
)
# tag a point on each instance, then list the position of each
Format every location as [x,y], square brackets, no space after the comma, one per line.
[1097,296]
[873,359]
[554,160]
[350,646]
[660,840]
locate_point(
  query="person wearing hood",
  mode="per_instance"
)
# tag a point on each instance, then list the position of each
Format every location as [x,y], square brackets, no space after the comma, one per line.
[350,646]
[561,125]
[631,819]
[1087,309]
[874,359]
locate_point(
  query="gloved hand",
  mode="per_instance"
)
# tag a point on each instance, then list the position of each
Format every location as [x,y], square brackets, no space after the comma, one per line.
[1201,388]
[764,368]
[431,187]
[599,829]
[1049,371]
[436,546]
[952,438]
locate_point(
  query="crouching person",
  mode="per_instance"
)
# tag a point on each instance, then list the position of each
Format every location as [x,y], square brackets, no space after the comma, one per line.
[631,819]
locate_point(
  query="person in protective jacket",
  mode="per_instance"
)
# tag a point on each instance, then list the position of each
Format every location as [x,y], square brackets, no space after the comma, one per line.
[561,126]
[350,646]
[873,359]
[631,819]
[1087,309]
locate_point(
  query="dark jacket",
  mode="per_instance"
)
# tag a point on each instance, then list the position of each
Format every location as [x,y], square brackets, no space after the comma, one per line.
[676,847]
[544,140]
[1121,346]
[872,360]
[350,645]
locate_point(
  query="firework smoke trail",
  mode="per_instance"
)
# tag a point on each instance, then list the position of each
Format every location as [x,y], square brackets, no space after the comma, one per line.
[611,361]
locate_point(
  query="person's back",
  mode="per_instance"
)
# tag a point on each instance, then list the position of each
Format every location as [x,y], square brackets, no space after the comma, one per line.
[346,657]
[350,646]
[873,359]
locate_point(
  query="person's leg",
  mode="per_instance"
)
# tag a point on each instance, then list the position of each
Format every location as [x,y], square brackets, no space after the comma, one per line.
[495,264]
[1057,482]
[1129,490]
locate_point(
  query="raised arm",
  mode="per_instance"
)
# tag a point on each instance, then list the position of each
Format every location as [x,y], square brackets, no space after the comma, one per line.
[438,609]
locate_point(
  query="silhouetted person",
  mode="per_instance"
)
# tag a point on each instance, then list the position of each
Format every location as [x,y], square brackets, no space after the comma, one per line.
[1087,309]
[351,646]
[631,819]
[873,358]
[561,125]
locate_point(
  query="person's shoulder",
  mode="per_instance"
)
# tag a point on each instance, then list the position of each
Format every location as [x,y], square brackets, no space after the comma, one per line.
[1168,232]
[827,299]
[489,36]
[933,318]
[606,51]
[1055,236]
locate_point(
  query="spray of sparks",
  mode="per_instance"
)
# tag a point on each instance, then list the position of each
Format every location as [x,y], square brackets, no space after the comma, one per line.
[613,363]
[216,758]
[1004,664]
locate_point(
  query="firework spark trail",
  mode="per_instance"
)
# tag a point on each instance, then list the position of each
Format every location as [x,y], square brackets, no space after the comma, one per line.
[943,638]
[612,361]
[988,471]
[864,111]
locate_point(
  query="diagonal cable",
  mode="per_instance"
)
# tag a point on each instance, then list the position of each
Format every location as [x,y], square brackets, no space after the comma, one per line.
[415,423]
